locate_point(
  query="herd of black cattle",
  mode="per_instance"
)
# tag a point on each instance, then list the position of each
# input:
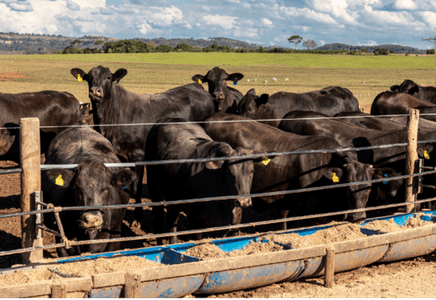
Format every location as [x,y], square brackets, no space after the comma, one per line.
[191,122]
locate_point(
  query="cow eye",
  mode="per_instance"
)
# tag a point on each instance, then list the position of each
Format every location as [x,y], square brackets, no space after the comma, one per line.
[108,78]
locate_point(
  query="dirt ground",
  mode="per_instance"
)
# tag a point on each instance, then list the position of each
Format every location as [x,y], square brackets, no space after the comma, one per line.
[404,279]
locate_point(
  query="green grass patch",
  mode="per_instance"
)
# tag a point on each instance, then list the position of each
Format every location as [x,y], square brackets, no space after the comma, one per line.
[248,59]
[365,76]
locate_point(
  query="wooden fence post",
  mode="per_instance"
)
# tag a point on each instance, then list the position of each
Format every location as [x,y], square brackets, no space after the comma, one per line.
[329,273]
[411,157]
[30,157]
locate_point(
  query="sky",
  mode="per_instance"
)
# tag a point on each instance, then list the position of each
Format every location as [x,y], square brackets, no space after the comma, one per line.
[265,23]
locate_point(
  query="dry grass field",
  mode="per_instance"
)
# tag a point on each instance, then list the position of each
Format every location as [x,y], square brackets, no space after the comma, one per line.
[365,76]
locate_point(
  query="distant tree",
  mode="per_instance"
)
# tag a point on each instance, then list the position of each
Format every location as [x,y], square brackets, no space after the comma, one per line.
[78,42]
[310,44]
[430,51]
[295,39]
[364,49]
[98,42]
[381,51]
[164,48]
[185,48]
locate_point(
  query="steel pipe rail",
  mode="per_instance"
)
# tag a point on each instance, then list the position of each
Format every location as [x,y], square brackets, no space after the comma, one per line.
[208,199]
[254,224]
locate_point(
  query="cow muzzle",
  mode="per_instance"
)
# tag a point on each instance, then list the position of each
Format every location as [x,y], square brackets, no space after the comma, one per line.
[91,220]
[96,94]
[244,202]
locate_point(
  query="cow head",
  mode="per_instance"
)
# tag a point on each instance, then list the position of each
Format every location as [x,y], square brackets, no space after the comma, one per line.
[385,191]
[86,112]
[91,184]
[233,177]
[408,86]
[349,171]
[100,80]
[217,81]
[249,104]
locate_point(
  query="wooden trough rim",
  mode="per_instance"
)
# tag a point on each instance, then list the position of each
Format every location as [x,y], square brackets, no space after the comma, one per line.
[86,284]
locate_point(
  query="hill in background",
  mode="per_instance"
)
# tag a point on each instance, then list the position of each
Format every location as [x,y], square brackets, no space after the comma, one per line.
[15,43]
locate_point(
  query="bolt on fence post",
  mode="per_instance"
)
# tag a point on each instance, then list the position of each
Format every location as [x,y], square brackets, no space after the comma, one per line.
[411,158]
[30,158]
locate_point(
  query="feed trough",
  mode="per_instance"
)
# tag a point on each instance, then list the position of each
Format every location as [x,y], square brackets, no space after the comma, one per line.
[180,274]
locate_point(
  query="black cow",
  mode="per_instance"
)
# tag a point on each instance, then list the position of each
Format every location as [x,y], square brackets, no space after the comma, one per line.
[330,101]
[391,160]
[196,179]
[289,172]
[427,93]
[350,135]
[86,111]
[113,104]
[226,98]
[389,103]
[90,183]
[370,121]
[52,108]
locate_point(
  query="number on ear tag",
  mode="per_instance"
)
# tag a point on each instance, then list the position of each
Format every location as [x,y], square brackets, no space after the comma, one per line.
[265,160]
[79,78]
[59,181]
[426,155]
[335,178]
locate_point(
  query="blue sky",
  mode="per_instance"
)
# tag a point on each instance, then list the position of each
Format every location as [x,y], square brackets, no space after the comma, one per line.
[266,23]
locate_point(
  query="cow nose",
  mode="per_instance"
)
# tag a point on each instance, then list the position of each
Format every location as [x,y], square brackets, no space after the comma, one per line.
[218,95]
[96,91]
[244,201]
[90,220]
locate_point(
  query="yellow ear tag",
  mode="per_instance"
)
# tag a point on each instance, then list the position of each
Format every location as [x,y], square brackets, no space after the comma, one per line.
[426,155]
[200,82]
[335,178]
[79,78]
[265,160]
[59,180]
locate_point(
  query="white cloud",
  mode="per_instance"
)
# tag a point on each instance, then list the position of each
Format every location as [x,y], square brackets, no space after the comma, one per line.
[430,18]
[90,3]
[266,22]
[226,22]
[308,14]
[405,4]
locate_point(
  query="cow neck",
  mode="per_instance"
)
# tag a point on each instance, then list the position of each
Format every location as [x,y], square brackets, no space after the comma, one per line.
[107,111]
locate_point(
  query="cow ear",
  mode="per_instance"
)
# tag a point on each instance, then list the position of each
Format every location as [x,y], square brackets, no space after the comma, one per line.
[60,177]
[235,77]
[424,151]
[119,74]
[214,165]
[251,92]
[79,74]
[395,88]
[123,178]
[414,89]
[198,78]
[333,174]
[263,99]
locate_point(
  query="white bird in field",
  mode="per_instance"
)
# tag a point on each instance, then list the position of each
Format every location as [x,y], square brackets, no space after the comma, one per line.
[257,74]
[274,79]
[248,80]
[286,79]
[255,79]
[265,81]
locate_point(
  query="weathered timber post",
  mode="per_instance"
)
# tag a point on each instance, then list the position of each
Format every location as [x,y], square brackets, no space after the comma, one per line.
[329,273]
[30,157]
[411,158]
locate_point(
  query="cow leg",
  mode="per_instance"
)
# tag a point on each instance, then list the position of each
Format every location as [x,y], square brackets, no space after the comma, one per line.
[284,214]
[173,216]
[139,211]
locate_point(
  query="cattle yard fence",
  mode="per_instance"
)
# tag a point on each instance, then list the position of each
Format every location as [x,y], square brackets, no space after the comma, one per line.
[33,206]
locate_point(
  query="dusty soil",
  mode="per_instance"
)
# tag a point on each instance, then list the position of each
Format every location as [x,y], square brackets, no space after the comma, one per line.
[409,278]
[9,76]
